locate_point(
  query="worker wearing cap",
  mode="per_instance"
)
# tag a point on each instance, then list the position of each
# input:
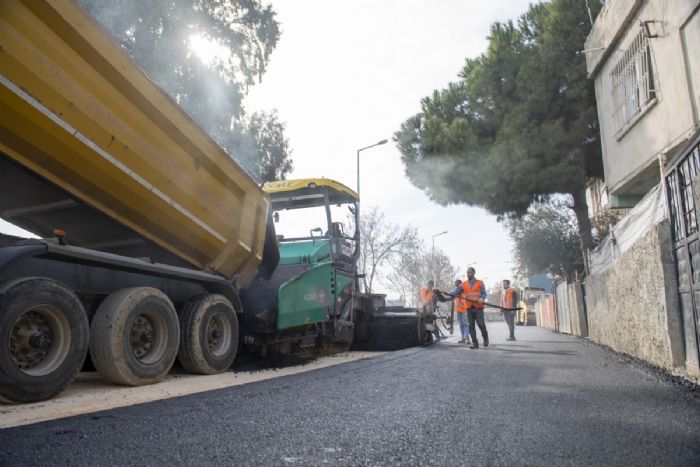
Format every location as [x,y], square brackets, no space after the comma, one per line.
[461,310]
[474,293]
[509,297]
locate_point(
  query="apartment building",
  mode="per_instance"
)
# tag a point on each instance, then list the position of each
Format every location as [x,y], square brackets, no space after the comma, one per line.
[644,58]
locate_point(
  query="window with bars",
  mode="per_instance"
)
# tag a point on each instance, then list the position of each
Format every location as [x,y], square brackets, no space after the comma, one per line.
[633,87]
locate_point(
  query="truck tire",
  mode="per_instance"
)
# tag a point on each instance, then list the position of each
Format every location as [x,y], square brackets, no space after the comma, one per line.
[208,335]
[44,336]
[134,336]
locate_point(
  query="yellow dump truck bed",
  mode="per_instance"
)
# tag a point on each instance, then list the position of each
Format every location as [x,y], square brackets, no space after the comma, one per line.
[77,113]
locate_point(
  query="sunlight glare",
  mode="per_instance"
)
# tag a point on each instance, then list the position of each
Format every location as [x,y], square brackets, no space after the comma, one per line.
[208,50]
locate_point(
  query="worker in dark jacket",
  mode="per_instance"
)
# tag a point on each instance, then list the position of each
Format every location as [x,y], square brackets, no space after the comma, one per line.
[509,297]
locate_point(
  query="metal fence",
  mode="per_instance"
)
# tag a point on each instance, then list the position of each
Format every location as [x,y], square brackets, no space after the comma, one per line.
[546,312]
[571,309]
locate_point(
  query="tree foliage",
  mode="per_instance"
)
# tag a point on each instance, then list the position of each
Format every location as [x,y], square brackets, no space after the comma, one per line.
[603,222]
[382,244]
[411,271]
[395,256]
[519,126]
[159,35]
[546,240]
[263,147]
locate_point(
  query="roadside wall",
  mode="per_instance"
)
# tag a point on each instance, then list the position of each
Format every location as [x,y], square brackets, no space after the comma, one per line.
[632,305]
[545,312]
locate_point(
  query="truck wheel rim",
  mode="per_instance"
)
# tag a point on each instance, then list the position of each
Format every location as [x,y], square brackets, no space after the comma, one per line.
[39,340]
[218,334]
[147,337]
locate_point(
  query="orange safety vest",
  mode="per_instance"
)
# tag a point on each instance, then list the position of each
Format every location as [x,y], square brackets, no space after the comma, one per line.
[507,298]
[472,293]
[426,294]
[460,305]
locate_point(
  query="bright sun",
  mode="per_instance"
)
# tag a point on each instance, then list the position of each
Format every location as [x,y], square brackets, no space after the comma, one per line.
[208,50]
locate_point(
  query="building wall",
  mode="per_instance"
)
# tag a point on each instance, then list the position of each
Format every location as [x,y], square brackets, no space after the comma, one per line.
[633,305]
[631,160]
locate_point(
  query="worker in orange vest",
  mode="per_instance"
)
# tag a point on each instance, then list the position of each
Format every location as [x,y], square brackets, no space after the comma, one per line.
[509,297]
[461,310]
[427,295]
[474,293]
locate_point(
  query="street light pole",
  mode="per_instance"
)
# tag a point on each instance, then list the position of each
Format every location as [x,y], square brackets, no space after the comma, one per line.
[357,208]
[384,141]
[432,255]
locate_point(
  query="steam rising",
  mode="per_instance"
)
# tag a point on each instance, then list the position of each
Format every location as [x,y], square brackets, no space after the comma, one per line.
[205,55]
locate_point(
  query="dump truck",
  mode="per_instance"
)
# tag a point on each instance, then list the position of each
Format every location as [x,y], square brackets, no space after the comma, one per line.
[154,245]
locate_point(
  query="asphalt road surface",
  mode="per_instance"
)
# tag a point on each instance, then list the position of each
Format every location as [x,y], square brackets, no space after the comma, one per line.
[546,399]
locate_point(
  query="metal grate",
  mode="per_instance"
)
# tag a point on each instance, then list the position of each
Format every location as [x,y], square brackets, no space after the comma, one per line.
[680,190]
[632,82]
[688,170]
[674,202]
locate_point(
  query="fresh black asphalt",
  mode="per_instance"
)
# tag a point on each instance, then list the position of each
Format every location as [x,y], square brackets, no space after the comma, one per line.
[546,399]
